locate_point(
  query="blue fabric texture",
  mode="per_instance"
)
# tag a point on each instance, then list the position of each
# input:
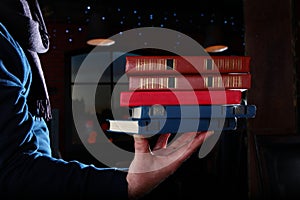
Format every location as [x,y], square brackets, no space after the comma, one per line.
[26,166]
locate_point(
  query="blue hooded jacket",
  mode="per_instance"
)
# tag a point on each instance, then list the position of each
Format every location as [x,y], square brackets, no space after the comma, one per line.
[26,166]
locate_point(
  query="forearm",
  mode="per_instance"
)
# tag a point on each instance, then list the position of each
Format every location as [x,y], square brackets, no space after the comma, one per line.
[34,176]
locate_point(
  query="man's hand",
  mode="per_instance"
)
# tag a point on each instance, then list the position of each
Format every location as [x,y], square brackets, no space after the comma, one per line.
[150,167]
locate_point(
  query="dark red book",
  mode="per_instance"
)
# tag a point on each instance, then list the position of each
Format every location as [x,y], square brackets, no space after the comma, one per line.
[198,97]
[241,81]
[145,65]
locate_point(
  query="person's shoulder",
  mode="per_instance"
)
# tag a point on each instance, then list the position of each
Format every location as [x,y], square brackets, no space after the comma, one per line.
[12,55]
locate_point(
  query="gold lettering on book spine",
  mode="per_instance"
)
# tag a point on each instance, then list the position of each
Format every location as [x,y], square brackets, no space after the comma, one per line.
[157,82]
[227,64]
[225,81]
[233,82]
[161,83]
[215,63]
[149,65]
[157,111]
[153,64]
[163,64]
[219,82]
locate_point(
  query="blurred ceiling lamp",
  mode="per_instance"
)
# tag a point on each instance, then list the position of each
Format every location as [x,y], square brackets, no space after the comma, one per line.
[214,39]
[99,31]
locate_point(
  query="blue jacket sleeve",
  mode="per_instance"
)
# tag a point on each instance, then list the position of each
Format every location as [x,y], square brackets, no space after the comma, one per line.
[26,166]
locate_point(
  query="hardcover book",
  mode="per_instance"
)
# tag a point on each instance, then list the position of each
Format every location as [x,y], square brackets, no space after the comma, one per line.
[198,97]
[192,111]
[186,64]
[240,81]
[171,125]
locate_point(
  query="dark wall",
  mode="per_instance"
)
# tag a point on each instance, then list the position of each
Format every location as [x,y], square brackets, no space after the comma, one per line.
[296,31]
[270,41]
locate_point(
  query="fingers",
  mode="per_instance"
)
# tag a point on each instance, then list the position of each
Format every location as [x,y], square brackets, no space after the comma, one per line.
[141,144]
[196,143]
[185,145]
[198,140]
[161,142]
[183,139]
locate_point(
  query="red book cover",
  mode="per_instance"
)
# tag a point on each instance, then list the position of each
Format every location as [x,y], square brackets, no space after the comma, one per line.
[198,97]
[240,81]
[145,65]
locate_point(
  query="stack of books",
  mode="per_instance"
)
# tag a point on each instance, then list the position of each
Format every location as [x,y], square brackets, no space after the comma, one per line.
[176,94]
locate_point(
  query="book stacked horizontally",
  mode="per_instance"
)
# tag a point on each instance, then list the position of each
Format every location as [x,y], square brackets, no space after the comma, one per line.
[172,94]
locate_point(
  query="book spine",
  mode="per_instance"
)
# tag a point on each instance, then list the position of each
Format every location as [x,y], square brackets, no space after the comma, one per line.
[161,126]
[215,111]
[190,82]
[201,97]
[158,126]
[186,64]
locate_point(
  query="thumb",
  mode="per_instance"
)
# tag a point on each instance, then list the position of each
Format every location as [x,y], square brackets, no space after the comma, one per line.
[141,144]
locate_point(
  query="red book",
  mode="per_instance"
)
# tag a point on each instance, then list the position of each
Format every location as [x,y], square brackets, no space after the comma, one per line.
[241,81]
[198,97]
[145,65]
